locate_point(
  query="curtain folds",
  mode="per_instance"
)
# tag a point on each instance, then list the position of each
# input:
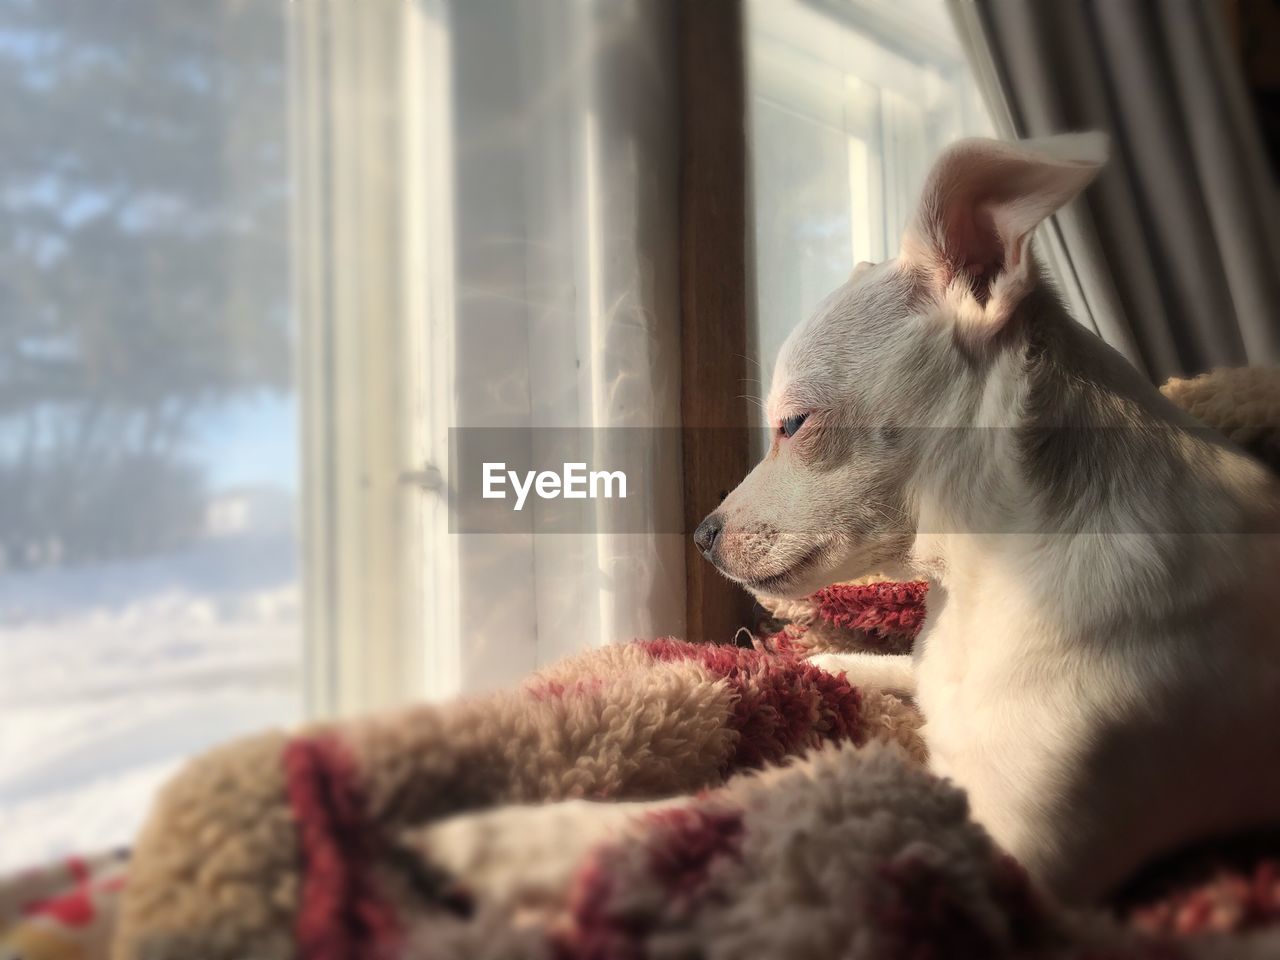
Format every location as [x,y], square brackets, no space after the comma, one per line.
[486,237]
[1175,256]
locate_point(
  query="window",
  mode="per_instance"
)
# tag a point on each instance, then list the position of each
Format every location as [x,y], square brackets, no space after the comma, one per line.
[849,101]
[149,601]
[260,262]
[485,240]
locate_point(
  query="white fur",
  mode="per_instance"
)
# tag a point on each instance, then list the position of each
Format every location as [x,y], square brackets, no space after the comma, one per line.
[1100,666]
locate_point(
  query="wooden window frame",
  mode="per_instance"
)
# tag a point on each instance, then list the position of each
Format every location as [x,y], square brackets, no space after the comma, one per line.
[714,294]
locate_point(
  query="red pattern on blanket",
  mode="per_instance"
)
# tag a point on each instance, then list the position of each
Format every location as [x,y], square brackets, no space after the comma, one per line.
[679,875]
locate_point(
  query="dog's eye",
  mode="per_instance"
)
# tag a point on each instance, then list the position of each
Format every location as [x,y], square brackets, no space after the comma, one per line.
[791,424]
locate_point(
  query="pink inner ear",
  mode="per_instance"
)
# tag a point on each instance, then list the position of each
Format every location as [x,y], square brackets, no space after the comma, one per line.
[974,245]
[980,205]
[983,199]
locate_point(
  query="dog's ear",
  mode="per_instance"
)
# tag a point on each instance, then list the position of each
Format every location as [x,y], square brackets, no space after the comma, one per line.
[981,202]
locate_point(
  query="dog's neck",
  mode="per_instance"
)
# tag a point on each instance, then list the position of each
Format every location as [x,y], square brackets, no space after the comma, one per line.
[1067,455]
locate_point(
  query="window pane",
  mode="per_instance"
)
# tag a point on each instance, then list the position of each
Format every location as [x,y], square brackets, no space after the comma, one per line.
[849,100]
[148,570]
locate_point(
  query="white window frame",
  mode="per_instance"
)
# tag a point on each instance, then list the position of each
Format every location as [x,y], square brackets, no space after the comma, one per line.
[372,277]
[388,284]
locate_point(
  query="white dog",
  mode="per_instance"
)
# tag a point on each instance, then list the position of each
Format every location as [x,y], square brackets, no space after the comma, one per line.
[1100,666]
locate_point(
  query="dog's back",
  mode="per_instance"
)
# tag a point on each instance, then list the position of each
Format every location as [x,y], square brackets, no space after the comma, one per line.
[1131,701]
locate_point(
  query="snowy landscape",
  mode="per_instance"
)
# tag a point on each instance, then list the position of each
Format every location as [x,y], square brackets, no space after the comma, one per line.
[149,441]
[115,673]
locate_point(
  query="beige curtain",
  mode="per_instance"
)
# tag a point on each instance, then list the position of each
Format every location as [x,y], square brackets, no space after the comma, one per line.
[1175,255]
[485,237]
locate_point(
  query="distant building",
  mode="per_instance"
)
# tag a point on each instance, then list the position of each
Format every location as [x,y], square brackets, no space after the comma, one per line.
[250,510]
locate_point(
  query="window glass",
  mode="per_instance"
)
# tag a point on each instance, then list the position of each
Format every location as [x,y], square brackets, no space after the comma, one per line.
[148,447]
[849,101]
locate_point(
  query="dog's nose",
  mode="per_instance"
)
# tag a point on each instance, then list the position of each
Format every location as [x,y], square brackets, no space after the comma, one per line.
[708,532]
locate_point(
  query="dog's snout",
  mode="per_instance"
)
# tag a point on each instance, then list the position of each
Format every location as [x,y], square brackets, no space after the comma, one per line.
[707,533]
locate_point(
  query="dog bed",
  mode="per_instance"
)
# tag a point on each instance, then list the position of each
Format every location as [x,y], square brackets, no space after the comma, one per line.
[797,820]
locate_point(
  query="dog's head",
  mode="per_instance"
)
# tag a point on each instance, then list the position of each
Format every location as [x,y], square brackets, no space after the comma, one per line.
[905,343]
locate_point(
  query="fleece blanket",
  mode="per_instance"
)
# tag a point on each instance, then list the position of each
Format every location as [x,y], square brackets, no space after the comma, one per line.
[652,799]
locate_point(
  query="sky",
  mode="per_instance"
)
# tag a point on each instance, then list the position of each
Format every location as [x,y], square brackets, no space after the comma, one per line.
[250,443]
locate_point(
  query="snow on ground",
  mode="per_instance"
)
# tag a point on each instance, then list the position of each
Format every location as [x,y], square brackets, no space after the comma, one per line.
[112,675]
